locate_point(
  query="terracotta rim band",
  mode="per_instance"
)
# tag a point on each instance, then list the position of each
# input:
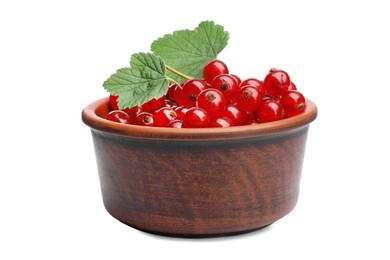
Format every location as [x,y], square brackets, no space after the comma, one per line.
[93,116]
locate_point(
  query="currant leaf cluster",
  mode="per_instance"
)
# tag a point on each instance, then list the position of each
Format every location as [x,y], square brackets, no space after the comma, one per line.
[176,58]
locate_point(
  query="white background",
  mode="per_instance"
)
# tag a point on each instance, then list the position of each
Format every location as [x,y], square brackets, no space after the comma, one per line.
[54,56]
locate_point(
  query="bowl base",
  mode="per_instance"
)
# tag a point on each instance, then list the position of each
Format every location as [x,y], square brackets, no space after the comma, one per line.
[167,234]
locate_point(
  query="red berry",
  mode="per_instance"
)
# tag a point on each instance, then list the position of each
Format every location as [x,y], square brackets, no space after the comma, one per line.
[190,92]
[145,119]
[248,98]
[114,102]
[237,78]
[178,93]
[153,104]
[175,124]
[181,111]
[171,90]
[133,112]
[293,103]
[292,86]
[235,115]
[213,69]
[250,117]
[227,84]
[268,98]
[163,116]
[276,82]
[220,122]
[213,101]
[169,103]
[254,83]
[118,116]
[270,110]
[196,117]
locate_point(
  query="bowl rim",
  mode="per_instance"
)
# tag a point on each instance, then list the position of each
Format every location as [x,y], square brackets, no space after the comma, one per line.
[92,116]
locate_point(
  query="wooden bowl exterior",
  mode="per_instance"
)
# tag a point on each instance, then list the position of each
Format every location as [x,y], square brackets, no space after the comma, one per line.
[199,184]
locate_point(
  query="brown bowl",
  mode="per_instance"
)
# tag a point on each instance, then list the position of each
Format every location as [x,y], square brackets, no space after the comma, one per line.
[200,182]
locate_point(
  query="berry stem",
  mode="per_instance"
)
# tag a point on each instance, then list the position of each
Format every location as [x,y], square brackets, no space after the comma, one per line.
[178,73]
[173,81]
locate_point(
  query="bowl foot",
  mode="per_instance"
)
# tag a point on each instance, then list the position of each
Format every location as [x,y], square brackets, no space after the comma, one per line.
[167,234]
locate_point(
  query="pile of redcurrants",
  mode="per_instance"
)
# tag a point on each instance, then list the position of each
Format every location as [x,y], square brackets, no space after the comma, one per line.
[219,100]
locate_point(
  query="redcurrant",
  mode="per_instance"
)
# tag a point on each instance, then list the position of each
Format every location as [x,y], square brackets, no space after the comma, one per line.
[163,116]
[221,100]
[248,98]
[153,104]
[169,103]
[293,103]
[118,116]
[133,112]
[254,83]
[292,86]
[171,92]
[270,110]
[145,119]
[190,92]
[181,111]
[178,94]
[227,84]
[213,69]
[211,100]
[196,117]
[220,122]
[235,115]
[237,78]
[276,82]
[175,124]
[250,117]
[114,102]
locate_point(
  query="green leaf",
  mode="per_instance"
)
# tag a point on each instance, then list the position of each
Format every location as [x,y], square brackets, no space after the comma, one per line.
[144,80]
[188,51]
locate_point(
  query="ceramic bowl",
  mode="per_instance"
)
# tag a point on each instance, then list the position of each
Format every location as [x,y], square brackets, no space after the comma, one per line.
[201,182]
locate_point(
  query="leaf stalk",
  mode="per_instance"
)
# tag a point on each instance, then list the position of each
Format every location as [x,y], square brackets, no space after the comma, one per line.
[178,73]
